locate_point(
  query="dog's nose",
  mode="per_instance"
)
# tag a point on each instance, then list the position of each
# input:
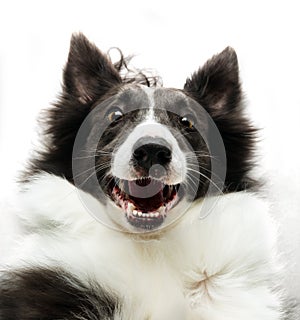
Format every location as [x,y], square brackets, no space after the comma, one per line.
[150,152]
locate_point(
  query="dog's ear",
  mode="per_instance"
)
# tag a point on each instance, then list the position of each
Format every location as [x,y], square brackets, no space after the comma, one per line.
[88,73]
[216,85]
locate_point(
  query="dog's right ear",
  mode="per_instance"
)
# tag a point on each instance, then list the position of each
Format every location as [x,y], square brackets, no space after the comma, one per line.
[89,73]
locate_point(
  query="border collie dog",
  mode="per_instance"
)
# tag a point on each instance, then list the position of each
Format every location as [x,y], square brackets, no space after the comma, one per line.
[140,205]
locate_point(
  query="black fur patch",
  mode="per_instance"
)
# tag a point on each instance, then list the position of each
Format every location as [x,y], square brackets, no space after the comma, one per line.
[44,294]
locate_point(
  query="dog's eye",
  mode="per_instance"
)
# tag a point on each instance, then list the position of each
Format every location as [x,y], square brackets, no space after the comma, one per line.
[114,114]
[188,121]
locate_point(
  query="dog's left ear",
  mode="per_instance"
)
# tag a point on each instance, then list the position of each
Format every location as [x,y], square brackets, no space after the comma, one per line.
[216,85]
[89,73]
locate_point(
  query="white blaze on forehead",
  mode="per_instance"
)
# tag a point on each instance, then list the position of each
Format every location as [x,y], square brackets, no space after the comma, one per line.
[121,163]
[150,95]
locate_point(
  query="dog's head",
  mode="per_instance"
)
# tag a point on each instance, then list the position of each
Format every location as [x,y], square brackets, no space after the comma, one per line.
[142,150]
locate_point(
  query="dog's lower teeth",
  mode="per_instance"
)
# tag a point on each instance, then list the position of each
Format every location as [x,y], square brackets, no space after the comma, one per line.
[131,211]
[130,207]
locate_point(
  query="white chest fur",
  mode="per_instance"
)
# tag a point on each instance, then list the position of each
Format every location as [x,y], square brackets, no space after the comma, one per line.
[218,268]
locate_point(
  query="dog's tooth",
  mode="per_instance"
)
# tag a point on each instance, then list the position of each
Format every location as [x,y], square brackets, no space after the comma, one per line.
[151,215]
[121,184]
[144,215]
[140,213]
[134,212]
[156,214]
[130,207]
[161,209]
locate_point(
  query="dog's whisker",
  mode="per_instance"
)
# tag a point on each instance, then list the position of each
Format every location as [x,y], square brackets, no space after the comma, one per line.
[197,166]
[96,152]
[102,166]
[199,154]
[86,157]
[108,182]
[97,169]
[192,180]
[83,172]
[205,176]
[190,185]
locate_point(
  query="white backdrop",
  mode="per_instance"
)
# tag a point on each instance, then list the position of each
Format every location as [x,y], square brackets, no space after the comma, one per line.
[175,38]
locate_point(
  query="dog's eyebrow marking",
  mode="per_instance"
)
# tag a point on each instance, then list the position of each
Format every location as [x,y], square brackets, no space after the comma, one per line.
[150,117]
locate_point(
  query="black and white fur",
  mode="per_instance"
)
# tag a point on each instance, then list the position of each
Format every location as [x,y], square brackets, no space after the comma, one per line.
[63,264]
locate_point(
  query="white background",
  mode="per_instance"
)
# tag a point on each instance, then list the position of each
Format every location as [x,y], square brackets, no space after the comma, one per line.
[175,38]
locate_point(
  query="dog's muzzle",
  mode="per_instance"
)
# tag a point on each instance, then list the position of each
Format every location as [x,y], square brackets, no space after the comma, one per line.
[147,197]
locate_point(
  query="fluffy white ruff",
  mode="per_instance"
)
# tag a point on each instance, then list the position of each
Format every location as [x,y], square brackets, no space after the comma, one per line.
[218,268]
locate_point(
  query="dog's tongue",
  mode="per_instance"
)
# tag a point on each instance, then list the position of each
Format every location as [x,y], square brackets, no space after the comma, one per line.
[146,194]
[145,188]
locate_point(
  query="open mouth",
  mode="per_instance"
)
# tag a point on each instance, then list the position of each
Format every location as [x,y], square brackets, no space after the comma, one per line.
[145,202]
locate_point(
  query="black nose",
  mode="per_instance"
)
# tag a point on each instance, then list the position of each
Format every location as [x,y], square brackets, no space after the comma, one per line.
[152,153]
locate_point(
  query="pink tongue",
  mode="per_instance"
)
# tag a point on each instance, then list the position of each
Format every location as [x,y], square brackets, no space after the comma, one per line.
[144,188]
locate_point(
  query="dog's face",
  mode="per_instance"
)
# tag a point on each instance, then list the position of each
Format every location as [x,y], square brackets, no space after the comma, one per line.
[149,155]
[146,151]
